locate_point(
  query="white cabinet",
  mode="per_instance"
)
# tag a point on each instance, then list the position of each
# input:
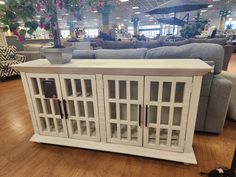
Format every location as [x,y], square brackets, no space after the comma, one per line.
[138,107]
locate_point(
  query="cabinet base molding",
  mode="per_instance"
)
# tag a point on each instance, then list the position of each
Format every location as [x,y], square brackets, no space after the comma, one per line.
[187,158]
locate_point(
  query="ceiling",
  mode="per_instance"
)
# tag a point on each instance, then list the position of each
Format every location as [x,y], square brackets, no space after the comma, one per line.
[123,12]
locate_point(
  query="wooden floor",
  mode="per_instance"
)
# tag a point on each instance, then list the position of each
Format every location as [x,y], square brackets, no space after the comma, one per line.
[21,158]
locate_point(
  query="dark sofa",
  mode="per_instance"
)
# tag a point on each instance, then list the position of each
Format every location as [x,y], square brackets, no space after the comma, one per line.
[228,49]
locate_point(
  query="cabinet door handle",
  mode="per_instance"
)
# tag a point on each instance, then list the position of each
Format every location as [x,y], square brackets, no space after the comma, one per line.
[65,109]
[59,104]
[139,114]
[146,116]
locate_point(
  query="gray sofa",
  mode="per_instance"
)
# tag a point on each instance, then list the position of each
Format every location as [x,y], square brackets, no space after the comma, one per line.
[215,92]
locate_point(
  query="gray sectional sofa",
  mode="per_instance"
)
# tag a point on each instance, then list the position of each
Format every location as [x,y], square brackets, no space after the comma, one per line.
[215,92]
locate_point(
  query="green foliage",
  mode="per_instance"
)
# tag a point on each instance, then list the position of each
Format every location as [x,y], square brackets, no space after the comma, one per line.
[22,32]
[193,28]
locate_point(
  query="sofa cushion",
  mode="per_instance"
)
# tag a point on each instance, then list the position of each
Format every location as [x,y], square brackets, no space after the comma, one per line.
[148,44]
[117,45]
[220,41]
[206,52]
[32,47]
[7,53]
[120,54]
[83,54]
[178,43]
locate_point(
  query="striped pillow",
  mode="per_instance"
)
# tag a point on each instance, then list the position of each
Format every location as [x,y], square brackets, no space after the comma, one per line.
[7,53]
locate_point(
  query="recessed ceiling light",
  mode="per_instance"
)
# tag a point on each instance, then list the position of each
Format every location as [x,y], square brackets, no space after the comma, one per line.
[117,18]
[210,6]
[95,11]
[203,11]
[137,12]
[124,0]
[135,7]
[147,15]
[59,18]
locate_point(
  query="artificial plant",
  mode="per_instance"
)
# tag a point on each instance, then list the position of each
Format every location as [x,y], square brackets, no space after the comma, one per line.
[47,9]
[17,12]
[194,28]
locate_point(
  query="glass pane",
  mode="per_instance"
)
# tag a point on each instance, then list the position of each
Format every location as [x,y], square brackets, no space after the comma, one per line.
[123,111]
[90,109]
[92,128]
[134,90]
[177,116]
[48,106]
[74,126]
[112,110]
[152,136]
[71,108]
[165,115]
[88,86]
[163,136]
[83,127]
[154,91]
[112,89]
[179,92]
[59,125]
[134,133]
[51,124]
[39,105]
[175,138]
[113,130]
[153,114]
[43,123]
[78,87]
[134,112]
[122,89]
[123,131]
[166,91]
[68,87]
[35,86]
[81,108]
[56,107]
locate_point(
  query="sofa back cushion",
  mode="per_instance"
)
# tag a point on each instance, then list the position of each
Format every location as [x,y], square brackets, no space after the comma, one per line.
[117,45]
[148,44]
[120,54]
[32,47]
[83,54]
[178,43]
[206,52]
[220,41]
[7,53]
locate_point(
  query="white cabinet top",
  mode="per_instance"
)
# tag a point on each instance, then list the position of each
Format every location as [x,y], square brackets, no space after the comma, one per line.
[168,67]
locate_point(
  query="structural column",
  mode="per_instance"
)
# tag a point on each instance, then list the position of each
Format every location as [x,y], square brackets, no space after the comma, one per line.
[135,21]
[105,22]
[223,17]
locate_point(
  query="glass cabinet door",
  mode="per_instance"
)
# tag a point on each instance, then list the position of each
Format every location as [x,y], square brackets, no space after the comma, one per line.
[80,103]
[166,111]
[47,103]
[123,107]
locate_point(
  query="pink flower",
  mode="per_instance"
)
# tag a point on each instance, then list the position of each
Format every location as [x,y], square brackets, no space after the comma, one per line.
[55,26]
[48,18]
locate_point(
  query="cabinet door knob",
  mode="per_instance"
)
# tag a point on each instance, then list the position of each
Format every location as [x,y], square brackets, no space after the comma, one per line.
[65,109]
[146,116]
[139,115]
[59,105]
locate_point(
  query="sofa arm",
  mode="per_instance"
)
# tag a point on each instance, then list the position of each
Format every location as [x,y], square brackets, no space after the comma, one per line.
[228,49]
[31,55]
[218,104]
[232,103]
[20,58]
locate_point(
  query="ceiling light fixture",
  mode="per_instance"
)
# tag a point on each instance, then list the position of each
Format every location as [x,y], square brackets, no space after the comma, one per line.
[210,6]
[124,0]
[203,11]
[117,18]
[147,15]
[135,7]
[137,12]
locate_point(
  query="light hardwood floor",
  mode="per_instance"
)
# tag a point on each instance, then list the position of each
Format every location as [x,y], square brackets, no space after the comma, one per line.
[21,158]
